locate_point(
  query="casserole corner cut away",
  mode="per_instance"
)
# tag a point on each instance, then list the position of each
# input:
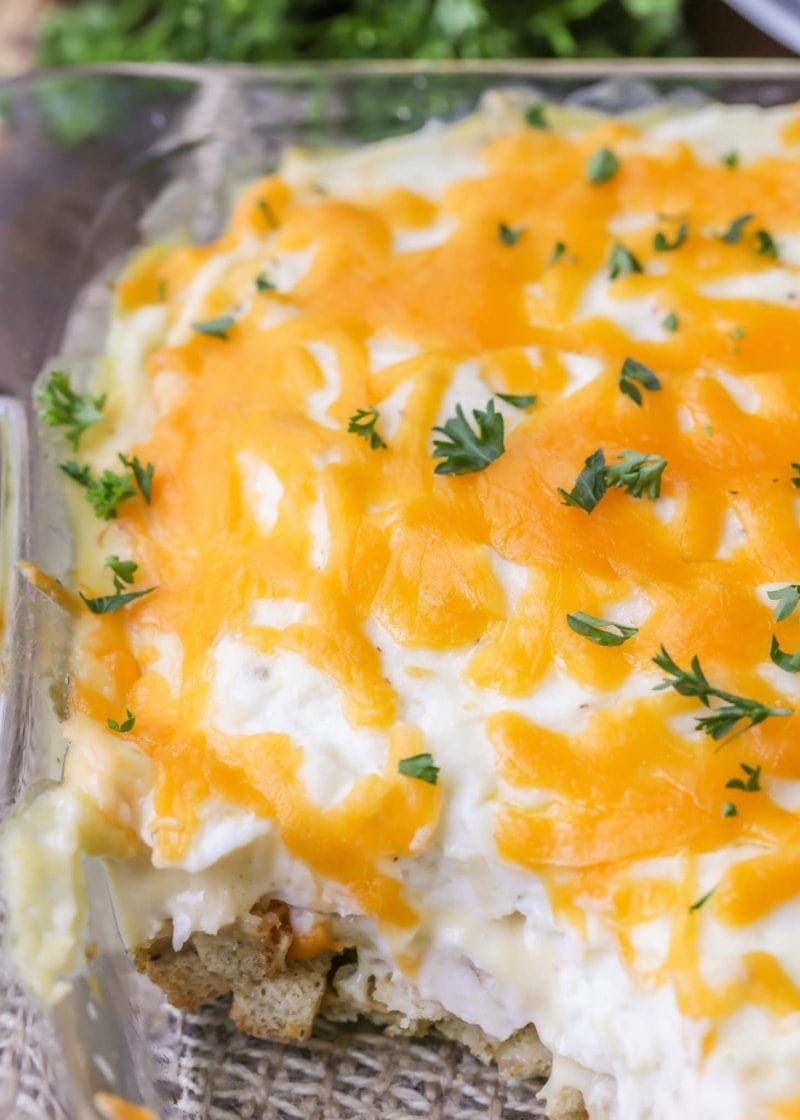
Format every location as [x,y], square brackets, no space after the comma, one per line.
[436,641]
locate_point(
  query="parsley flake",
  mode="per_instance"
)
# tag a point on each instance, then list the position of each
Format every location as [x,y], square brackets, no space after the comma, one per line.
[701,901]
[733,234]
[124,571]
[601,165]
[633,374]
[796,469]
[753,782]
[216,328]
[671,322]
[465,450]
[508,235]
[787,599]
[693,682]
[601,631]
[522,400]
[62,407]
[419,766]
[535,116]
[105,493]
[622,262]
[143,475]
[80,474]
[662,244]
[264,284]
[790,662]
[729,809]
[637,473]
[730,159]
[126,725]
[765,246]
[105,604]
[558,251]
[363,423]
[590,485]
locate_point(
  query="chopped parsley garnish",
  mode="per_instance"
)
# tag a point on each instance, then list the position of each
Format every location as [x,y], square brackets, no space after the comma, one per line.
[590,485]
[363,423]
[729,809]
[123,570]
[267,213]
[730,159]
[523,400]
[419,766]
[464,449]
[80,474]
[637,473]
[693,682]
[671,322]
[765,246]
[633,374]
[105,604]
[508,235]
[105,493]
[622,262]
[216,328]
[559,249]
[753,779]
[702,900]
[126,725]
[535,116]
[662,244]
[143,475]
[264,284]
[62,407]
[733,234]
[796,469]
[600,630]
[787,599]
[601,165]
[790,662]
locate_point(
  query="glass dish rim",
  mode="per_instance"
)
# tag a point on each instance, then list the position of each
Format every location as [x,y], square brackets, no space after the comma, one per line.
[746,69]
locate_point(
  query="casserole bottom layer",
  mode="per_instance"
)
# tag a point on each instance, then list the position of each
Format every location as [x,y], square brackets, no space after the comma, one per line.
[276,994]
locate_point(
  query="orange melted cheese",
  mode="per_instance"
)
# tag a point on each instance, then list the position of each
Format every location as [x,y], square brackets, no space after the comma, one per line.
[412,551]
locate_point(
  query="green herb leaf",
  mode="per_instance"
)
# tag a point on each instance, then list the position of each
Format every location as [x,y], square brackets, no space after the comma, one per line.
[124,570]
[633,372]
[419,766]
[508,235]
[765,246]
[559,249]
[363,423]
[790,662]
[671,322]
[267,213]
[518,401]
[590,485]
[465,450]
[702,900]
[216,328]
[662,244]
[535,116]
[80,474]
[724,719]
[622,262]
[264,284]
[637,473]
[787,599]
[729,809]
[601,165]
[105,493]
[730,159]
[143,475]
[753,783]
[600,630]
[105,604]
[126,725]
[62,407]
[796,469]
[733,234]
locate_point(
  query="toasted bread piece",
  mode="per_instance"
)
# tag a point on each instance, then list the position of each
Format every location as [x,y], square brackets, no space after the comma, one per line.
[282,1007]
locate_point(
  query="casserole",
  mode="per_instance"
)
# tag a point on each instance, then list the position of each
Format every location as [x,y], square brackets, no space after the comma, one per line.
[508,245]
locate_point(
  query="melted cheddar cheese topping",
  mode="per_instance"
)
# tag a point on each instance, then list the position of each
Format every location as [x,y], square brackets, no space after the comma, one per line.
[262,495]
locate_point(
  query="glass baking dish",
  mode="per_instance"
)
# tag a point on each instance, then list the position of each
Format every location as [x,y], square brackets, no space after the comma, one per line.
[93,163]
